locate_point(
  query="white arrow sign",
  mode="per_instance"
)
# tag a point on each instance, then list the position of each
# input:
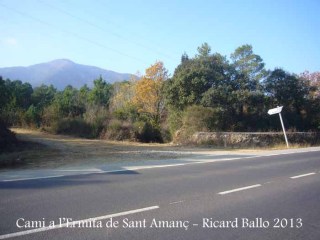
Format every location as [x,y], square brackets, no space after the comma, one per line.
[275,110]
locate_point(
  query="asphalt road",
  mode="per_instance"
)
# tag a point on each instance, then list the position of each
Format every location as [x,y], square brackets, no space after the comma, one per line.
[264,197]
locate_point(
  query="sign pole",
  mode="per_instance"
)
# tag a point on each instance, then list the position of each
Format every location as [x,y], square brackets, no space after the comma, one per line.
[284,131]
[275,111]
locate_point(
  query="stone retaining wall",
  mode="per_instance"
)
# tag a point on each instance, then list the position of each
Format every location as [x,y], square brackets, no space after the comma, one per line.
[261,139]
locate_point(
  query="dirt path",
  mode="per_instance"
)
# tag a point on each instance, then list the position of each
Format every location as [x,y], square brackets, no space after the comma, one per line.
[46,150]
[45,156]
[58,150]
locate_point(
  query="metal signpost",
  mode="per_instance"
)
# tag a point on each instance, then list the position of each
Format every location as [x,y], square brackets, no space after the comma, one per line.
[275,111]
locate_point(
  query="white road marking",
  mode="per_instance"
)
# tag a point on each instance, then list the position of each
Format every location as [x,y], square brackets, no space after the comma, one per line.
[240,189]
[80,170]
[164,166]
[176,202]
[268,182]
[154,166]
[22,233]
[23,179]
[303,175]
[107,171]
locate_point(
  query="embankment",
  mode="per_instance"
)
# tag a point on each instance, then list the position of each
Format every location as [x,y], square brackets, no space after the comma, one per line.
[248,140]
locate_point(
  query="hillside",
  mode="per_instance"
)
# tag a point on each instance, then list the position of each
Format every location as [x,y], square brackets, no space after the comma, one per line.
[60,73]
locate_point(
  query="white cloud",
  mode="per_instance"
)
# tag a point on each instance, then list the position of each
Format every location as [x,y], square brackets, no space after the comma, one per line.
[10,41]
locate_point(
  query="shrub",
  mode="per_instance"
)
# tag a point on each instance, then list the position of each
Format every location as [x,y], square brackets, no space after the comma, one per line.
[126,113]
[174,120]
[96,116]
[196,119]
[73,126]
[8,139]
[51,115]
[142,131]
[166,135]
[32,117]
[147,132]
[118,130]
[12,117]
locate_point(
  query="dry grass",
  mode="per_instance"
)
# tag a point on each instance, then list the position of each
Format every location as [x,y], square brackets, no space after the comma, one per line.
[26,154]
[44,150]
[47,150]
[291,146]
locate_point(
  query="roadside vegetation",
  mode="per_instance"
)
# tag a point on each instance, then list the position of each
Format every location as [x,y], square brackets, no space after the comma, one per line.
[8,140]
[38,149]
[207,92]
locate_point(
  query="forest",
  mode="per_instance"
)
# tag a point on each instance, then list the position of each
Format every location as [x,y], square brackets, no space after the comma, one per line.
[207,92]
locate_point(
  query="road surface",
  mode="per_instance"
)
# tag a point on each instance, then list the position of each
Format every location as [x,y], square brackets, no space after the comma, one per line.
[250,197]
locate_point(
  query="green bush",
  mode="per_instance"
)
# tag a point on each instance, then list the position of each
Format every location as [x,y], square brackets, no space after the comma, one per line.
[166,135]
[196,119]
[97,117]
[142,131]
[147,132]
[32,117]
[12,117]
[174,120]
[8,139]
[127,113]
[73,126]
[51,115]
[118,130]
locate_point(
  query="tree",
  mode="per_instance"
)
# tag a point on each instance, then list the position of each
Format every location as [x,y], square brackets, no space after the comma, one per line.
[43,96]
[313,107]
[68,103]
[19,94]
[101,92]
[204,50]
[194,77]
[233,90]
[3,93]
[248,73]
[16,100]
[314,81]
[184,57]
[123,94]
[249,67]
[283,88]
[122,104]
[84,94]
[149,96]
[32,116]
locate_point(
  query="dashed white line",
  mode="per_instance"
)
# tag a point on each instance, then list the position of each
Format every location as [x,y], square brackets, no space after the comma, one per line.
[268,182]
[154,166]
[303,175]
[240,189]
[177,202]
[23,233]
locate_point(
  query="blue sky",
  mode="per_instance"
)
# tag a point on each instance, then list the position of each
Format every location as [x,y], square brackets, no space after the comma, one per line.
[129,36]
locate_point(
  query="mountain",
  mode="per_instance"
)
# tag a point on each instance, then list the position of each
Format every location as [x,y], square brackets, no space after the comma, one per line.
[60,73]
